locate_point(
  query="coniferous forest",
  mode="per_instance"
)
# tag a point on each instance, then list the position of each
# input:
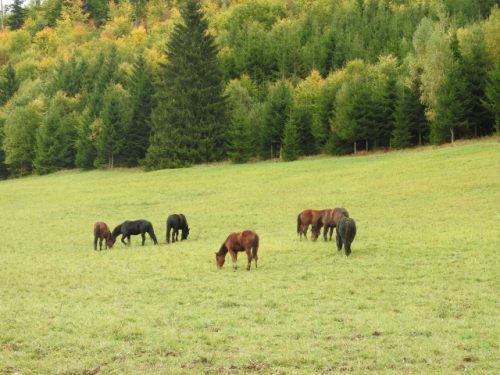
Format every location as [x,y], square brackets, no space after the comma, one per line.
[166,83]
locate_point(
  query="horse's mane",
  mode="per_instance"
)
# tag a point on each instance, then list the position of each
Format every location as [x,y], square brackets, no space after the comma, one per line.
[223,249]
[117,231]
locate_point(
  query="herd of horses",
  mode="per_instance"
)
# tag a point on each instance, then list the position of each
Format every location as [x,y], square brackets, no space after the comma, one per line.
[247,240]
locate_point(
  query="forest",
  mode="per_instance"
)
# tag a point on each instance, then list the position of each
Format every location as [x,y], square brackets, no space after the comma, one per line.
[165,83]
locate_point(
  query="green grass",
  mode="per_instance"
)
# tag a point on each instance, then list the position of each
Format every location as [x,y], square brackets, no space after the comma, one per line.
[419,294]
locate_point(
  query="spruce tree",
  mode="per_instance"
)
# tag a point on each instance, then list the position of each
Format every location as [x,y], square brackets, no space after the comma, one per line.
[85,147]
[401,134]
[492,91]
[138,133]
[189,123]
[291,141]
[55,139]
[17,15]
[240,138]
[115,117]
[8,84]
[276,114]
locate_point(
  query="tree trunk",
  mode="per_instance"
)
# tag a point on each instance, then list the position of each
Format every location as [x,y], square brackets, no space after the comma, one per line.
[366,145]
[354,146]
[452,131]
[419,136]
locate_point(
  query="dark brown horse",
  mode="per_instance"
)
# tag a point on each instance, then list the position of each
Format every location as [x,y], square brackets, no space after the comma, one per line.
[247,241]
[305,218]
[345,231]
[101,232]
[329,219]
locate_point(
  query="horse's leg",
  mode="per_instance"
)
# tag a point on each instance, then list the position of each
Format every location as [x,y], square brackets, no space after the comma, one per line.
[168,234]
[339,239]
[143,236]
[124,237]
[249,256]
[100,244]
[325,231]
[331,232]
[254,254]
[95,242]
[234,257]
[153,236]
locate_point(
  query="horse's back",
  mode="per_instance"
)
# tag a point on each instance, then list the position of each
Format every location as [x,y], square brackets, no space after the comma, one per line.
[100,229]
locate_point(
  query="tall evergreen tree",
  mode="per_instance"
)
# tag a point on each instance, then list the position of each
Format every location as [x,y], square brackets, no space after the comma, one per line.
[17,15]
[240,138]
[291,141]
[115,119]
[189,123]
[85,147]
[8,84]
[138,133]
[276,114]
[3,168]
[492,91]
[55,139]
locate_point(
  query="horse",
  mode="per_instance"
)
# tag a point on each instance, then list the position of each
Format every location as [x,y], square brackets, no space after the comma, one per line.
[329,219]
[101,232]
[128,228]
[345,233]
[247,241]
[174,223]
[305,218]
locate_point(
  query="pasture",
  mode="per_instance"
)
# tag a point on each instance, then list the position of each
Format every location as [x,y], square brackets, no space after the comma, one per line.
[419,293]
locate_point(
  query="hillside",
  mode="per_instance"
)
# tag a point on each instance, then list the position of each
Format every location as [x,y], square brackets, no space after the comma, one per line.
[419,293]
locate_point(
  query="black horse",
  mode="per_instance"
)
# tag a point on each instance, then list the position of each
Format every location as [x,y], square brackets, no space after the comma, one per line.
[128,228]
[346,231]
[174,223]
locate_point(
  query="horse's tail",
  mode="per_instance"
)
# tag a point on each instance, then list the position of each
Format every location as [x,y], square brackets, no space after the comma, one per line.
[299,223]
[167,236]
[255,246]
[152,233]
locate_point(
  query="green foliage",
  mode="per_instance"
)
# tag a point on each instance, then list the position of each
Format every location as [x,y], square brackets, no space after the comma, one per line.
[85,143]
[142,92]
[291,141]
[492,91]
[189,123]
[8,84]
[98,10]
[20,138]
[276,114]
[17,15]
[56,136]
[111,136]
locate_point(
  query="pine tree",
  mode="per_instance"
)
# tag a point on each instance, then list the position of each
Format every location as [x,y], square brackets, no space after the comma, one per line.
[55,139]
[492,91]
[3,168]
[138,133]
[85,147]
[291,141]
[401,134]
[276,114]
[98,10]
[8,84]
[240,138]
[17,15]
[189,124]
[115,117]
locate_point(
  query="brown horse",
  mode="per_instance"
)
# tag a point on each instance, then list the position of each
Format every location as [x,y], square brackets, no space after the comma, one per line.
[247,241]
[101,232]
[329,219]
[305,218]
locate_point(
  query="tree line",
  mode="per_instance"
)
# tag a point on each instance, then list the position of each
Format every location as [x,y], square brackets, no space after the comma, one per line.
[165,84]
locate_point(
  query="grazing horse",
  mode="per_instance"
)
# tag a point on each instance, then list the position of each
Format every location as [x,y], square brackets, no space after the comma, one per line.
[329,219]
[128,228]
[345,231]
[247,241]
[174,223]
[101,232]
[305,218]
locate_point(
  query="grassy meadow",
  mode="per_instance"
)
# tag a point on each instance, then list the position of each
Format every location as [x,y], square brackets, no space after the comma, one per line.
[419,293]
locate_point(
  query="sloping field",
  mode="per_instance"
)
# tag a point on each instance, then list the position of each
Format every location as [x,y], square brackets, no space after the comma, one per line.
[419,294]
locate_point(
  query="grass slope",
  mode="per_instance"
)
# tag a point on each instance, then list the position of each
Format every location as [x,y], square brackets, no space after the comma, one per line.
[419,293]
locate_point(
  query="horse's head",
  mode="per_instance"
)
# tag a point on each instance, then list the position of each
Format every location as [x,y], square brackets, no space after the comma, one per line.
[219,260]
[185,233]
[110,240]
[315,231]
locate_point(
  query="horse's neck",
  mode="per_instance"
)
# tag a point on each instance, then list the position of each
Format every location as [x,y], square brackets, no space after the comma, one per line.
[223,250]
